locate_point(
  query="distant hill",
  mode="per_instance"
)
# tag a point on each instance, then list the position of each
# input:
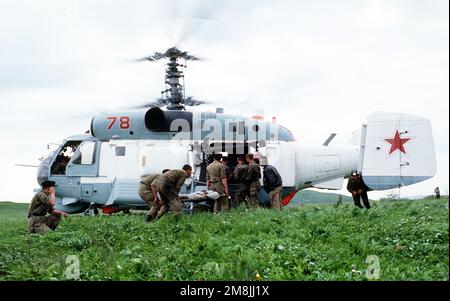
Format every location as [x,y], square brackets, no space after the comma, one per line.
[316,197]
[421,197]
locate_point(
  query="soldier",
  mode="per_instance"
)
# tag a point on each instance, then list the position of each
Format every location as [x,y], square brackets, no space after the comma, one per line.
[358,189]
[252,179]
[41,204]
[149,194]
[240,172]
[168,187]
[437,193]
[273,183]
[216,180]
[225,162]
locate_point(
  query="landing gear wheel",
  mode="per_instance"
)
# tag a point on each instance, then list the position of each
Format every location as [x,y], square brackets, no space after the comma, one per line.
[91,211]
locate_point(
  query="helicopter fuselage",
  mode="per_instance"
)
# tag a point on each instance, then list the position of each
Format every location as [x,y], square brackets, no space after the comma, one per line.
[107,164]
[103,168]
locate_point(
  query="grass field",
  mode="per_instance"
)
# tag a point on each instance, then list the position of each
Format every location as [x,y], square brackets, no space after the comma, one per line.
[322,242]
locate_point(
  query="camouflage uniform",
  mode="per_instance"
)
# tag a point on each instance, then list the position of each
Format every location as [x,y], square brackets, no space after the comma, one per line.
[38,222]
[252,178]
[240,172]
[355,185]
[168,186]
[227,171]
[146,194]
[215,172]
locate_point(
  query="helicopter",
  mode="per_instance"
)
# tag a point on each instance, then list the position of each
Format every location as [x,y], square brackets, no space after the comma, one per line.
[102,168]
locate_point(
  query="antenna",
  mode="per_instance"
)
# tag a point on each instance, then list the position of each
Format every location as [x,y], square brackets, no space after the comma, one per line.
[25,165]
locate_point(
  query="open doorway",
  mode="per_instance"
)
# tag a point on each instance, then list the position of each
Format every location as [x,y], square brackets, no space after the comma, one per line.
[66,153]
[231,150]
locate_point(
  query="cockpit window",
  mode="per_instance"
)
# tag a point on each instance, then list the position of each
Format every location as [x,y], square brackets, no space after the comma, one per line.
[85,155]
[63,157]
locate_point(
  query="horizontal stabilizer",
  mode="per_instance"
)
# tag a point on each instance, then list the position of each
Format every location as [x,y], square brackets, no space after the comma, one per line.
[396,150]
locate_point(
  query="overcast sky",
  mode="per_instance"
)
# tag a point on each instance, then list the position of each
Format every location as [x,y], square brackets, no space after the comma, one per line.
[319,66]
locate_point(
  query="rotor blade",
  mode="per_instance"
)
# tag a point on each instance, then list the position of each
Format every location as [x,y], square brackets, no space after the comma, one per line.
[156,56]
[189,101]
[193,17]
[161,102]
[147,58]
[190,57]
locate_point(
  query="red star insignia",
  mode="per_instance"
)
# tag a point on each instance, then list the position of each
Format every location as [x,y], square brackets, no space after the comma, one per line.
[397,143]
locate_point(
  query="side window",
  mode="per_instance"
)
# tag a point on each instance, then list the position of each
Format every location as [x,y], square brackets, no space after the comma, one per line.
[120,151]
[85,155]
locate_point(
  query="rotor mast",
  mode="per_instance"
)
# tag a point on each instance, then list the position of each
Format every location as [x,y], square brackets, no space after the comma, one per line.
[174,94]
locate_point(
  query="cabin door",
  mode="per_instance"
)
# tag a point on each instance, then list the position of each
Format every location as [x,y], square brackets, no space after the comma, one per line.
[84,162]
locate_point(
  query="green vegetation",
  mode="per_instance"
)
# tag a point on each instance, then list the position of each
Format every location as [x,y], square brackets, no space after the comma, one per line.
[322,242]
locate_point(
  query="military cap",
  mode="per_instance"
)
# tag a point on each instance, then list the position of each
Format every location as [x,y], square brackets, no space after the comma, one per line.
[47,184]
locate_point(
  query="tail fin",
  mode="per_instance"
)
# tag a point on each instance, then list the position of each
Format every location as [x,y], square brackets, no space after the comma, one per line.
[396,150]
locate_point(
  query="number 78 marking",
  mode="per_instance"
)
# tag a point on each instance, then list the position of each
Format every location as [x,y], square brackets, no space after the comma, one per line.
[124,123]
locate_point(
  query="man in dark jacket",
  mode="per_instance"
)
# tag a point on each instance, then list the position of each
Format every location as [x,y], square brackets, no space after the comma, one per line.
[273,183]
[358,189]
